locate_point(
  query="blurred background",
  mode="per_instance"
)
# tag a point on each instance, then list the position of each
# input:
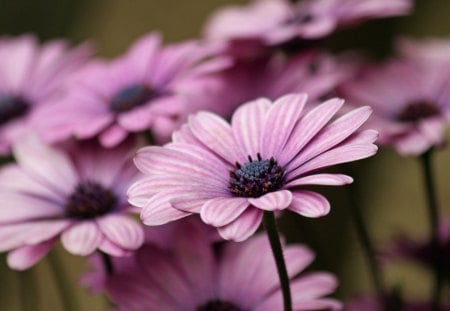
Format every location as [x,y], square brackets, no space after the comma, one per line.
[389,187]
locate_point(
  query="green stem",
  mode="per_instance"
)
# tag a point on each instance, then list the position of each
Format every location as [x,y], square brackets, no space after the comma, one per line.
[274,238]
[433,216]
[367,245]
[28,291]
[68,301]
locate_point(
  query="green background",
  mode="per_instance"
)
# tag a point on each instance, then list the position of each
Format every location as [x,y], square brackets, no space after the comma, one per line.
[389,187]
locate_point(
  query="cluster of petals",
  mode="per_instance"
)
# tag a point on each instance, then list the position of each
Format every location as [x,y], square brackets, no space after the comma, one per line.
[42,199]
[147,88]
[193,174]
[410,99]
[195,274]
[273,22]
[32,75]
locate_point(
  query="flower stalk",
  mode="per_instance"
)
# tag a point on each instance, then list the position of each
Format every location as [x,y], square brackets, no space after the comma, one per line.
[272,232]
[433,216]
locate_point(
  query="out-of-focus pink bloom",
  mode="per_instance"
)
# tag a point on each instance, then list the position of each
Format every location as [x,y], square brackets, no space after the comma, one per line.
[421,250]
[375,304]
[411,103]
[314,73]
[272,22]
[429,52]
[30,76]
[145,89]
[77,195]
[195,275]
[264,161]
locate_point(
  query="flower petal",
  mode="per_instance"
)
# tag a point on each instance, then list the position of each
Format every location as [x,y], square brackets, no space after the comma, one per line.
[19,207]
[27,256]
[82,238]
[279,123]
[243,227]
[219,212]
[122,231]
[159,210]
[321,179]
[273,201]
[309,204]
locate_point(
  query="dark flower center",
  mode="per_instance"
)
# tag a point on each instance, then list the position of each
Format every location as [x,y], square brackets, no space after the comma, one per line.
[417,111]
[12,107]
[131,97]
[255,178]
[218,305]
[90,200]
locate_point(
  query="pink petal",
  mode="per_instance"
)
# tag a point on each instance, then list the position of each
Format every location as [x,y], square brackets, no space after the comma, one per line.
[243,227]
[308,127]
[313,286]
[46,230]
[279,123]
[122,231]
[113,136]
[208,127]
[321,179]
[82,238]
[93,126]
[247,125]
[309,204]
[27,256]
[18,207]
[112,249]
[273,201]
[137,119]
[219,212]
[159,210]
[47,164]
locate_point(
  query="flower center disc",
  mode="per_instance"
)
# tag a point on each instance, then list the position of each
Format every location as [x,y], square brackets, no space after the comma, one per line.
[12,107]
[256,178]
[131,97]
[218,305]
[417,111]
[90,200]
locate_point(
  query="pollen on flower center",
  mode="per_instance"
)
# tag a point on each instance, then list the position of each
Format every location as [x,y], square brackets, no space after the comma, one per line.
[218,305]
[417,111]
[90,200]
[256,177]
[12,107]
[131,97]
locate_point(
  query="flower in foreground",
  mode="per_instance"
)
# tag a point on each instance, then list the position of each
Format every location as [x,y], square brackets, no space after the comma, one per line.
[76,194]
[196,275]
[272,22]
[410,99]
[263,161]
[30,77]
[144,89]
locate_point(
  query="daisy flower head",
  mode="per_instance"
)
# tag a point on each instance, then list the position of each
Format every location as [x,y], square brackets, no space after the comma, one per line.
[273,22]
[411,102]
[144,89]
[263,161]
[31,76]
[76,193]
[198,275]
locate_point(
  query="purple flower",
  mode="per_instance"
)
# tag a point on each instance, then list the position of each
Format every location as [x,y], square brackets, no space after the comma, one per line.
[263,161]
[30,77]
[411,102]
[429,52]
[272,22]
[76,194]
[195,275]
[143,89]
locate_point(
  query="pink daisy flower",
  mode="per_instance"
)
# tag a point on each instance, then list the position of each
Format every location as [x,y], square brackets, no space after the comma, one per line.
[195,275]
[30,76]
[143,89]
[263,161]
[273,22]
[77,195]
[410,101]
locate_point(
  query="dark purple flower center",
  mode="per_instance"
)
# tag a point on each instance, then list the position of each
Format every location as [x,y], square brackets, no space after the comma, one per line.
[90,200]
[218,305]
[12,107]
[256,177]
[131,97]
[417,111]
